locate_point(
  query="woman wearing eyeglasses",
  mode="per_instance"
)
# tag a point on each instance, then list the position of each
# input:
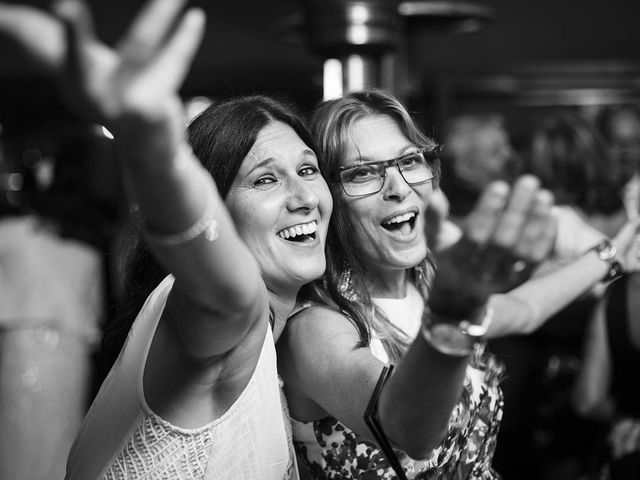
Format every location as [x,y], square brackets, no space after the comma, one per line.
[437,415]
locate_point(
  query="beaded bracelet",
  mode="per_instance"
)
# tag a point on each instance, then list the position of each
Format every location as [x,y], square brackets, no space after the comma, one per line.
[206,224]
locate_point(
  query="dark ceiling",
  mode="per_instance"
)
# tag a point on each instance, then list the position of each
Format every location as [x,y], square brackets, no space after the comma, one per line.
[246,49]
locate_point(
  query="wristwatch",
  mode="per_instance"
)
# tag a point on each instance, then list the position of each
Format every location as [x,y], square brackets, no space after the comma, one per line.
[456,338]
[606,252]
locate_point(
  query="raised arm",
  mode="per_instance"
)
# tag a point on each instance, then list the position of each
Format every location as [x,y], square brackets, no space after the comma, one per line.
[504,228]
[527,307]
[133,89]
[327,372]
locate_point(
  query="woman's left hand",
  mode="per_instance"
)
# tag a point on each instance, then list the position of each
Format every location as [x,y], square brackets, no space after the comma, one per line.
[506,234]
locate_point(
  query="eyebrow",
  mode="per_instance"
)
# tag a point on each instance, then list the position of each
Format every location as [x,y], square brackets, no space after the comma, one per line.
[262,163]
[403,151]
[269,160]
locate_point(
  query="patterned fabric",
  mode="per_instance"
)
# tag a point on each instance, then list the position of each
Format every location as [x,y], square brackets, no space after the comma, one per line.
[332,451]
[156,450]
[122,438]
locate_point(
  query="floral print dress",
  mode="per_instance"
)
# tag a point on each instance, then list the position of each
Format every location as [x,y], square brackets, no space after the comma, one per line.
[332,451]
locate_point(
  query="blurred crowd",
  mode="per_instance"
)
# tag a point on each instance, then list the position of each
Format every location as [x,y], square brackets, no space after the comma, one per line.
[568,394]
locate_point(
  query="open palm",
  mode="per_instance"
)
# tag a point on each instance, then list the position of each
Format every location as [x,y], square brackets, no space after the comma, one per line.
[139,77]
[508,232]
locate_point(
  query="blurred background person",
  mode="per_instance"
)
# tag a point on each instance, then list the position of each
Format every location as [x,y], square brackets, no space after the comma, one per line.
[607,389]
[571,159]
[56,219]
[477,151]
[620,127]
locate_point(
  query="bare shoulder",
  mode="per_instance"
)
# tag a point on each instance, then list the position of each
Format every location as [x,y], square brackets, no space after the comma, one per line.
[317,340]
[319,324]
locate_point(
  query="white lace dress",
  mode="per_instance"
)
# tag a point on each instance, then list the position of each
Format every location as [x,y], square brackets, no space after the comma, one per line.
[122,438]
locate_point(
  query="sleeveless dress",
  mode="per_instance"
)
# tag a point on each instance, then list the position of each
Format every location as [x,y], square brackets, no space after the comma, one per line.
[625,385]
[122,438]
[332,451]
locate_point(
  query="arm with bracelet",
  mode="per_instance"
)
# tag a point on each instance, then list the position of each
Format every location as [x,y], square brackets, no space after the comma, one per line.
[528,306]
[410,409]
[133,90]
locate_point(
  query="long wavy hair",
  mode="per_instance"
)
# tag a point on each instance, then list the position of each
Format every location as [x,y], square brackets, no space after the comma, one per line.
[221,137]
[572,160]
[345,280]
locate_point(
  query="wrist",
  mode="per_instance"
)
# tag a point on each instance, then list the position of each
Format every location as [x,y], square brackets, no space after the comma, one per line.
[454,338]
[606,251]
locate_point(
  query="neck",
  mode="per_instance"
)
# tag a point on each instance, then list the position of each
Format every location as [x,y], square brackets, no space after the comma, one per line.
[388,283]
[282,305]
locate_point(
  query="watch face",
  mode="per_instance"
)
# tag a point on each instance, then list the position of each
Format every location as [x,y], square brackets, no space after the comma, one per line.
[606,250]
[451,336]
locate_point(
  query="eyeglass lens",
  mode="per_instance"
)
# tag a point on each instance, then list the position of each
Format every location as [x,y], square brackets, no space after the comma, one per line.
[369,178]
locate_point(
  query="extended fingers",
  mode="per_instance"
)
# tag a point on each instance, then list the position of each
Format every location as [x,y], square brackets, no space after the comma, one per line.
[482,221]
[40,35]
[538,232]
[515,216]
[149,30]
[78,15]
[182,46]
[626,234]
[79,27]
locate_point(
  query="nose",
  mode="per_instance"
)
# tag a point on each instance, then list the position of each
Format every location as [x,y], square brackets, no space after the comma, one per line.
[301,196]
[395,187]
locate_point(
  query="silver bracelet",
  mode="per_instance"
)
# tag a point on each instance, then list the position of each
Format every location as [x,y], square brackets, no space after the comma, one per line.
[455,339]
[205,225]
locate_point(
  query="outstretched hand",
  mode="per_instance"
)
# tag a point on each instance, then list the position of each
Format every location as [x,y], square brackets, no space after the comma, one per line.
[38,36]
[140,77]
[507,233]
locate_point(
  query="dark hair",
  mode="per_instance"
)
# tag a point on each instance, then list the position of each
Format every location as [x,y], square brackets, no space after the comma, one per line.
[346,272]
[221,137]
[570,158]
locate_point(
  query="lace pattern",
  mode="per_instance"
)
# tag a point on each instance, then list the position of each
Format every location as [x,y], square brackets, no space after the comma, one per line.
[156,450]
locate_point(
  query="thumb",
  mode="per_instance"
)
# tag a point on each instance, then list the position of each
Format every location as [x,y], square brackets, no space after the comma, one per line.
[624,237]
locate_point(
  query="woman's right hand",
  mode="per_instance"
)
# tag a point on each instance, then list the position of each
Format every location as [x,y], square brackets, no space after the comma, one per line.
[140,78]
[508,232]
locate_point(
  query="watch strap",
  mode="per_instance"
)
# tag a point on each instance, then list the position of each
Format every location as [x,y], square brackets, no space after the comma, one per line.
[607,252]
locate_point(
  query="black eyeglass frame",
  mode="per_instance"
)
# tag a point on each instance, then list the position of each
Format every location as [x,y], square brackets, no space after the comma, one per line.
[433,154]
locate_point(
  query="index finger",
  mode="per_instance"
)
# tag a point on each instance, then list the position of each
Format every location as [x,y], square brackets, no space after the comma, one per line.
[513,219]
[483,219]
[149,29]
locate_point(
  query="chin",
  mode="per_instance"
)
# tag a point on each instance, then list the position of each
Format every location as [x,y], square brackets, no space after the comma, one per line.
[309,271]
[410,259]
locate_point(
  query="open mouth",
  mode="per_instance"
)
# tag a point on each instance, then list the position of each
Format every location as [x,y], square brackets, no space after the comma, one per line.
[302,233]
[401,223]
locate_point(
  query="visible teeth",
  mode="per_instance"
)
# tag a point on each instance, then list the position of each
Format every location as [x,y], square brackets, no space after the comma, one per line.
[302,229]
[401,218]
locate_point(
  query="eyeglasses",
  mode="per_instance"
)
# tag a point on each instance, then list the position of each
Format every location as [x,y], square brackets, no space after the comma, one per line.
[366,178]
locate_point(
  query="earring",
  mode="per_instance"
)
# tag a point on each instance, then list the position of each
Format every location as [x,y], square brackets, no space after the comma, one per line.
[345,285]
[420,273]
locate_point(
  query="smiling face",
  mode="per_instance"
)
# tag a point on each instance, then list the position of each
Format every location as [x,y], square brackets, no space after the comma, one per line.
[281,207]
[388,225]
